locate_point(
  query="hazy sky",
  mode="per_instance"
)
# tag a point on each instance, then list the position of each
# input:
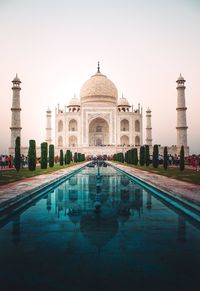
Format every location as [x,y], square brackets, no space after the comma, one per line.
[142,46]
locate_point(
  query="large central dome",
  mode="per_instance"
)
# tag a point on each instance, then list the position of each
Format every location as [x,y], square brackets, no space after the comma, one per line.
[98,89]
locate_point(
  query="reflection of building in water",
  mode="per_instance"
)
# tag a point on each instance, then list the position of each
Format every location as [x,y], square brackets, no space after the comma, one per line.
[98,229]
[119,198]
[16,229]
[149,202]
[49,202]
[181,229]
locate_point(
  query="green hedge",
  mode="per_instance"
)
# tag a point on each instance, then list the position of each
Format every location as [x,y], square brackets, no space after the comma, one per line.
[182,159]
[165,159]
[44,150]
[51,155]
[119,157]
[17,154]
[32,155]
[61,157]
[142,156]
[68,157]
[147,155]
[155,156]
[75,157]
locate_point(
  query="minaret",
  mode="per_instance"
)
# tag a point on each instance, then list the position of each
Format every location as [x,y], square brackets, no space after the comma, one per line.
[48,127]
[15,119]
[148,128]
[181,114]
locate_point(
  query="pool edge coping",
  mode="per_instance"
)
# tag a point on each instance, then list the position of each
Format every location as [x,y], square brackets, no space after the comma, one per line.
[166,196]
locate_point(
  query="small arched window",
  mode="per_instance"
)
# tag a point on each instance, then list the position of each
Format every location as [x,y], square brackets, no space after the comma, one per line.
[124,125]
[60,125]
[137,140]
[137,125]
[60,141]
[73,125]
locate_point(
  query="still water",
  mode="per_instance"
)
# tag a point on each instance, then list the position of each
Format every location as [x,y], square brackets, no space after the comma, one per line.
[134,243]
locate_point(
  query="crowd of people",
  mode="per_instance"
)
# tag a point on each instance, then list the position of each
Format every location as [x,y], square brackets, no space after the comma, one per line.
[7,162]
[193,161]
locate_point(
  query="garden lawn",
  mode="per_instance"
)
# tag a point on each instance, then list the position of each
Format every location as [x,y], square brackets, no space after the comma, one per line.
[13,176]
[187,175]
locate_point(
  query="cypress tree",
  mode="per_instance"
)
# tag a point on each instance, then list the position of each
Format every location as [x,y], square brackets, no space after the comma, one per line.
[131,156]
[65,158]
[51,155]
[44,150]
[75,157]
[122,157]
[142,156]
[32,155]
[135,156]
[68,157]
[78,157]
[17,154]
[61,157]
[182,159]
[165,161]
[147,155]
[125,157]
[155,156]
[128,156]
[71,157]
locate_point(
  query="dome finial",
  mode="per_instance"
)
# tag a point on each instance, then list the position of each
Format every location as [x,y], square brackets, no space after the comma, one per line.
[98,68]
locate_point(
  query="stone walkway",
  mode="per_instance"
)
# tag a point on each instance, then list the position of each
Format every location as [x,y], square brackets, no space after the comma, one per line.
[184,190]
[12,190]
[188,191]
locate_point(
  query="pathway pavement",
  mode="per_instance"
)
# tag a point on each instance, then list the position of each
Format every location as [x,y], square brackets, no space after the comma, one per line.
[188,191]
[22,187]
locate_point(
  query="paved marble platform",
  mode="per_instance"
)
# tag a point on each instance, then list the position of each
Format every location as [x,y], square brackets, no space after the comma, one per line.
[188,191]
[12,190]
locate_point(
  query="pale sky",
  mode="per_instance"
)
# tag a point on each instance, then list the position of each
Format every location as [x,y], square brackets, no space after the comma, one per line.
[142,46]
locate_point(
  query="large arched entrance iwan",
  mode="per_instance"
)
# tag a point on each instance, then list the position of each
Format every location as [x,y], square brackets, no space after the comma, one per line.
[98,132]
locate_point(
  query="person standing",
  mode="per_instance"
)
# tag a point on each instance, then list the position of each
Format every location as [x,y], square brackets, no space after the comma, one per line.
[3,160]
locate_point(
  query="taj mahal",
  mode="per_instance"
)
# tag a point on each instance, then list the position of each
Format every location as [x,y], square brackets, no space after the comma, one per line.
[100,122]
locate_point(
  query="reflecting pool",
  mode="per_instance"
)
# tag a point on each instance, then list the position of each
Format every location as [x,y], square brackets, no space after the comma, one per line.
[104,233]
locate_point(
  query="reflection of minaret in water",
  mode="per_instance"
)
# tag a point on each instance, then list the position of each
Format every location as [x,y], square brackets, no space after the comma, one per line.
[149,203]
[181,229]
[16,230]
[49,202]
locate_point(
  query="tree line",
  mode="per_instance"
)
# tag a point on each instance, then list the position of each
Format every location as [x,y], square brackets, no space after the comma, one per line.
[143,159]
[47,156]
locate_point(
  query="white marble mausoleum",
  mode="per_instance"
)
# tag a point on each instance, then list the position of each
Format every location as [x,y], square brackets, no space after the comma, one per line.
[98,122]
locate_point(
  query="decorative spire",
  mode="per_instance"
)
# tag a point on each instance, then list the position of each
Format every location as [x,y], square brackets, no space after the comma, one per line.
[98,68]
[16,79]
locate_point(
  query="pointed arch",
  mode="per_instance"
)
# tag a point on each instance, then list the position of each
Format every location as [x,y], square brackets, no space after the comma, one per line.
[73,126]
[124,125]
